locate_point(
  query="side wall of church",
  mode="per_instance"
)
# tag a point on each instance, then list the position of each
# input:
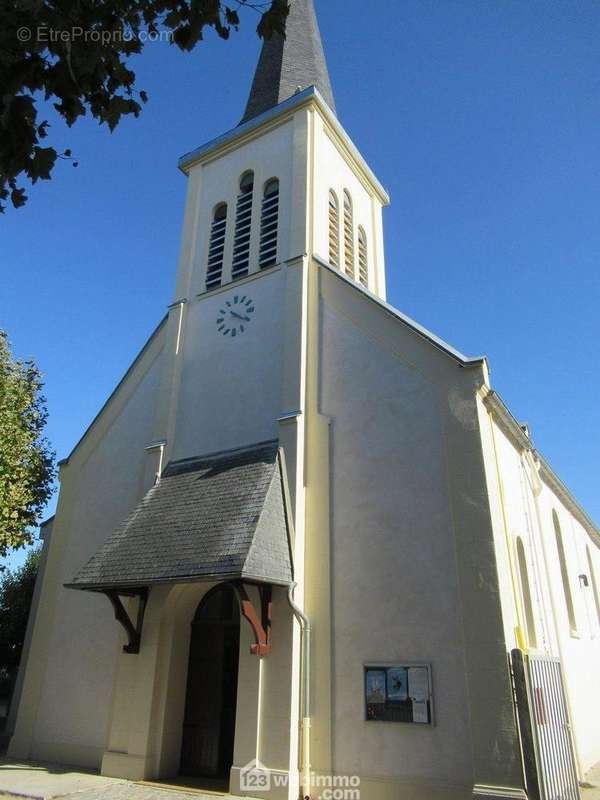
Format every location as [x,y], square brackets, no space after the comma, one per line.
[410,583]
[524,510]
[66,700]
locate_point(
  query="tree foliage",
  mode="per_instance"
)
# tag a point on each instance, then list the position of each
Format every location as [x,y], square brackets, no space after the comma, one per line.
[16,594]
[26,461]
[77,55]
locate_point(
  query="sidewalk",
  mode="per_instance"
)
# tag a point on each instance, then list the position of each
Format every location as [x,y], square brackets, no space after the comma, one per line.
[592,778]
[46,781]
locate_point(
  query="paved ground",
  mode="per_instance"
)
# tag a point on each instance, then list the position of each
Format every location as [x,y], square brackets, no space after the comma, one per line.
[46,781]
[592,792]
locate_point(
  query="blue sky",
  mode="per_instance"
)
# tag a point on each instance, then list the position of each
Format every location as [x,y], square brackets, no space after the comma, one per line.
[481,118]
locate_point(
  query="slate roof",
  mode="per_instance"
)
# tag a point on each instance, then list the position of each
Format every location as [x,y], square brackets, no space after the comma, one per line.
[286,64]
[216,517]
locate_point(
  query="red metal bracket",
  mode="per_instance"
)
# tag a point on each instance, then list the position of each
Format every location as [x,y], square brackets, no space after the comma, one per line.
[261,627]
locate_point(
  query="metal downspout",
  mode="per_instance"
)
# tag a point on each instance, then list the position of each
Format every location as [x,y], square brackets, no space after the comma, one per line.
[306,630]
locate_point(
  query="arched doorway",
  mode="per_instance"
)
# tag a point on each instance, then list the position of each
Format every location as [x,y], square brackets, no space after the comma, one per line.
[209,720]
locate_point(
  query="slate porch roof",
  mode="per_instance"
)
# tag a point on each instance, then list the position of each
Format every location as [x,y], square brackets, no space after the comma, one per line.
[217,517]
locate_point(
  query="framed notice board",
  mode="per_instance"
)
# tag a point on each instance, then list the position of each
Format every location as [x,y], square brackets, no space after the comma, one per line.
[398,693]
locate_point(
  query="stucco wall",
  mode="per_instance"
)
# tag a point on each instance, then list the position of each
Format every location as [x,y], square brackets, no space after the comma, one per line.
[335,173]
[523,506]
[580,651]
[394,578]
[230,391]
[412,563]
[63,715]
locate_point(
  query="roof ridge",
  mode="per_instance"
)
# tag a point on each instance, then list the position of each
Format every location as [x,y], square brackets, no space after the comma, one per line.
[187,464]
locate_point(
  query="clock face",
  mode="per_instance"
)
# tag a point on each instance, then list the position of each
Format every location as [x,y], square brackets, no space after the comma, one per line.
[235,315]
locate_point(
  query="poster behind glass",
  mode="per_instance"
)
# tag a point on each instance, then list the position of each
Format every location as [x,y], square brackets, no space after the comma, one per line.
[398,693]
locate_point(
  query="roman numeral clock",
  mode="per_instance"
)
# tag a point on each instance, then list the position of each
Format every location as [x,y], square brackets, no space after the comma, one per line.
[235,316]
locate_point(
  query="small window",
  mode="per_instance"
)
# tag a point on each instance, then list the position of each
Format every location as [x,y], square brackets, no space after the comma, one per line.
[564,573]
[243,225]
[363,258]
[593,582]
[526,593]
[269,222]
[334,230]
[216,247]
[348,236]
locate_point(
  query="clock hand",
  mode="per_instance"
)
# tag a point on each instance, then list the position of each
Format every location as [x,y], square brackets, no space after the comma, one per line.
[239,316]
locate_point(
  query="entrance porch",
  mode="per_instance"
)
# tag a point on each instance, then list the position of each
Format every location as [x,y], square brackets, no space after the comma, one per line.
[208,678]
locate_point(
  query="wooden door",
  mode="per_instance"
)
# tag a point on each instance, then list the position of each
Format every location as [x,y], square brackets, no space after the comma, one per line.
[209,721]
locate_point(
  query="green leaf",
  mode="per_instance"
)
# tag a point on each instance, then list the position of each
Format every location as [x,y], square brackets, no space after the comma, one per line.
[41,164]
[89,77]
[18,197]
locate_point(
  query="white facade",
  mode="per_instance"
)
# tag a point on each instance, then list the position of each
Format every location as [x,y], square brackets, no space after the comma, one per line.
[410,489]
[527,498]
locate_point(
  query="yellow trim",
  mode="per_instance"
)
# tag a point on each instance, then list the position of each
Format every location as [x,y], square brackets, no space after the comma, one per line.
[520,636]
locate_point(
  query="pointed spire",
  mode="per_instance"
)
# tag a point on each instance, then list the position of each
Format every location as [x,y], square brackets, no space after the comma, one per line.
[286,65]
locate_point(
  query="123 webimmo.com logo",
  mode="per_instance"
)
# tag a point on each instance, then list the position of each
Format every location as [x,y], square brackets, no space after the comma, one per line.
[256,779]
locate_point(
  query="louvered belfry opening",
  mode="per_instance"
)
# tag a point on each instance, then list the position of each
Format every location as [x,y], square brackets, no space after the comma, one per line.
[348,236]
[334,230]
[243,227]
[269,223]
[216,249]
[363,258]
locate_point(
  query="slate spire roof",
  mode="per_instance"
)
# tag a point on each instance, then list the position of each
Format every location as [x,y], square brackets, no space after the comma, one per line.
[286,64]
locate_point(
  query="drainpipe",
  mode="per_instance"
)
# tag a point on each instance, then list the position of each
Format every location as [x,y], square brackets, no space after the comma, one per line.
[305,690]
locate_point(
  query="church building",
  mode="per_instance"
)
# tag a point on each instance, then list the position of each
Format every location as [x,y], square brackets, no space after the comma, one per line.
[304,543]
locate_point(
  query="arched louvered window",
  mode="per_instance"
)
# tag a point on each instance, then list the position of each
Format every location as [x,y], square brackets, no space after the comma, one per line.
[593,581]
[363,258]
[243,227]
[269,221]
[564,573]
[348,235]
[334,230]
[526,593]
[216,247]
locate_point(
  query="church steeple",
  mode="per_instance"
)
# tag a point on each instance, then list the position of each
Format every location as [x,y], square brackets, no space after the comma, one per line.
[298,61]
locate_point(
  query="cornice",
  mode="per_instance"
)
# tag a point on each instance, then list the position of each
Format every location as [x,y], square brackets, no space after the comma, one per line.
[511,427]
[275,117]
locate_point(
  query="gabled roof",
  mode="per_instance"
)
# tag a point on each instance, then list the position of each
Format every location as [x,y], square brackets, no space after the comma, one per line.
[289,64]
[510,425]
[420,330]
[217,517]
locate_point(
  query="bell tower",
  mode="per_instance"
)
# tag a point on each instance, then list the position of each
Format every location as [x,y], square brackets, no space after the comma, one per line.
[287,181]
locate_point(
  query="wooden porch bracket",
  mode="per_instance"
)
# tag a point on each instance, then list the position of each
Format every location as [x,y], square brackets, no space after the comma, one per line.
[261,626]
[134,632]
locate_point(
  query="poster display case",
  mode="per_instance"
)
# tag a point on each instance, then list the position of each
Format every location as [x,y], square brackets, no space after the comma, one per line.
[398,693]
